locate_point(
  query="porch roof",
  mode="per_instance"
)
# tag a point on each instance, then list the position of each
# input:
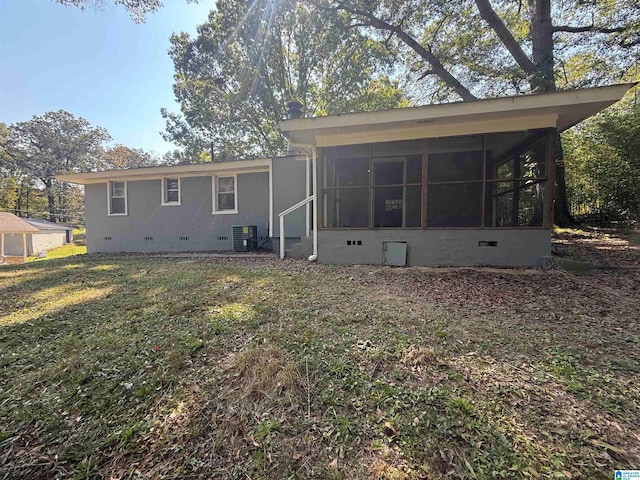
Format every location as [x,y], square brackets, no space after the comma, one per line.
[10,223]
[560,110]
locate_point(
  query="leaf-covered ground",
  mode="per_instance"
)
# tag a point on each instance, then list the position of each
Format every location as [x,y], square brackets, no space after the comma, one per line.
[149,367]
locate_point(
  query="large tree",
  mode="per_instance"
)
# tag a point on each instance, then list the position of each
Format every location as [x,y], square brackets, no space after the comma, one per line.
[234,79]
[52,144]
[8,182]
[120,157]
[138,9]
[476,48]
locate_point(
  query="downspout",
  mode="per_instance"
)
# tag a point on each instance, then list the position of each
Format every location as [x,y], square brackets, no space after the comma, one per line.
[316,199]
[305,148]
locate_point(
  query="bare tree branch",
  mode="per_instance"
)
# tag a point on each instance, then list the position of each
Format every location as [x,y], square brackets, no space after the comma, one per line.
[436,65]
[588,28]
[495,22]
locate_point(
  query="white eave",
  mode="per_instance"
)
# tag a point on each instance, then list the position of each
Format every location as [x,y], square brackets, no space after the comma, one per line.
[559,110]
[150,173]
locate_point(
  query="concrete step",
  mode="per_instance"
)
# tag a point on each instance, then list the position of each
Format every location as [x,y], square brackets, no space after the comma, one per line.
[302,249]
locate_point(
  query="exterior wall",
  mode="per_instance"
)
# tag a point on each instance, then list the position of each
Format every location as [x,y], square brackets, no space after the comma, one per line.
[288,177]
[163,226]
[515,247]
[45,241]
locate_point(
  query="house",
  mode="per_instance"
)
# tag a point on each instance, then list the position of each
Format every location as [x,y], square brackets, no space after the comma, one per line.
[50,235]
[465,183]
[14,233]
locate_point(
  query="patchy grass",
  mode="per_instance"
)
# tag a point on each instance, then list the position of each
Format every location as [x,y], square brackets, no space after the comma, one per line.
[144,367]
[61,252]
[77,247]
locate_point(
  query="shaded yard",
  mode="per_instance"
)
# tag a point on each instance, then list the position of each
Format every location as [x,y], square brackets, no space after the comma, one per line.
[147,367]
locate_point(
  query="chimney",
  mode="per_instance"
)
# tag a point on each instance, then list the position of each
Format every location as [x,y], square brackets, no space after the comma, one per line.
[294,110]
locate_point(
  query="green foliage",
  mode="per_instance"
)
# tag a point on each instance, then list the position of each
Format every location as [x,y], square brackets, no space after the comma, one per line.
[234,78]
[603,159]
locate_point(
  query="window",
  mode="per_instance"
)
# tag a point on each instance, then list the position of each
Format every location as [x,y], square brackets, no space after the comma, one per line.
[170,191]
[225,198]
[118,198]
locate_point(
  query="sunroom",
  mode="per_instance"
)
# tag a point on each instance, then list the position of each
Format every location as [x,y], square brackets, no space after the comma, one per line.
[467,183]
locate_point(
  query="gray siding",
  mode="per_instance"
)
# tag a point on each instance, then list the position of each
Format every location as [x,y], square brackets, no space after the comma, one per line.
[165,225]
[437,247]
[289,189]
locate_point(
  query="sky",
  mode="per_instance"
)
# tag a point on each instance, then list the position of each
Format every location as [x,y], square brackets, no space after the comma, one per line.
[99,65]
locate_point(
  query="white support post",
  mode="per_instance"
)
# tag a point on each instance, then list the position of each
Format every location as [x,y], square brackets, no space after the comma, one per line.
[24,247]
[307,181]
[281,237]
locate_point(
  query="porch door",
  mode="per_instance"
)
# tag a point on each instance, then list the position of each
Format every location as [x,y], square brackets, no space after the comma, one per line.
[388,192]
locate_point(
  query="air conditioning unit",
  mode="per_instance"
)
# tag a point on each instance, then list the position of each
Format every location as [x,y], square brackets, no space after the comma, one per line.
[245,238]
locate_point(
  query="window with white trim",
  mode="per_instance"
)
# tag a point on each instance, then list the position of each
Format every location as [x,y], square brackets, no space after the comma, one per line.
[225,195]
[171,191]
[118,197]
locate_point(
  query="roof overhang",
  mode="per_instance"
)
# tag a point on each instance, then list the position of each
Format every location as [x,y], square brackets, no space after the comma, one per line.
[150,173]
[559,110]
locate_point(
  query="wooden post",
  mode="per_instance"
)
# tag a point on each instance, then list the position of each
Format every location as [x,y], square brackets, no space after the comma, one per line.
[24,247]
[515,201]
[1,246]
[425,178]
[484,181]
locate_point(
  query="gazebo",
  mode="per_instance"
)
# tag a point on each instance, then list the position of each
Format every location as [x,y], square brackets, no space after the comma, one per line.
[13,237]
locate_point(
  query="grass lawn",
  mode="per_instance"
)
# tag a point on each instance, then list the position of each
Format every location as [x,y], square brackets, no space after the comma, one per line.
[146,367]
[78,247]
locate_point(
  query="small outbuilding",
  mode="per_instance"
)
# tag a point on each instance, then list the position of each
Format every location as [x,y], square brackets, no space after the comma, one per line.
[13,238]
[51,235]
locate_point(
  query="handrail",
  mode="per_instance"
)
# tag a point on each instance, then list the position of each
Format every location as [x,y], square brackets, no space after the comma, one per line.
[287,212]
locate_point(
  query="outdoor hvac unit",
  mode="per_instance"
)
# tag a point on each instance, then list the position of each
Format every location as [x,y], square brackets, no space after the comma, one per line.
[245,238]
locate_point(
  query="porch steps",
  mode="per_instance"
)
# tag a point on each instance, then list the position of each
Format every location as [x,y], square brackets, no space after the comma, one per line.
[302,249]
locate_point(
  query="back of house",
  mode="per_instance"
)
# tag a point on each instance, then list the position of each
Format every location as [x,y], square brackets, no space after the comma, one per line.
[466,183]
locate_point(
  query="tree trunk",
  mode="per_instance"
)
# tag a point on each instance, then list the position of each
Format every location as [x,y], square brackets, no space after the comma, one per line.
[544,81]
[51,199]
[561,213]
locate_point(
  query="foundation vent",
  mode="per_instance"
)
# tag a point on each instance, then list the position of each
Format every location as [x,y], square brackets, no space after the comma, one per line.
[485,243]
